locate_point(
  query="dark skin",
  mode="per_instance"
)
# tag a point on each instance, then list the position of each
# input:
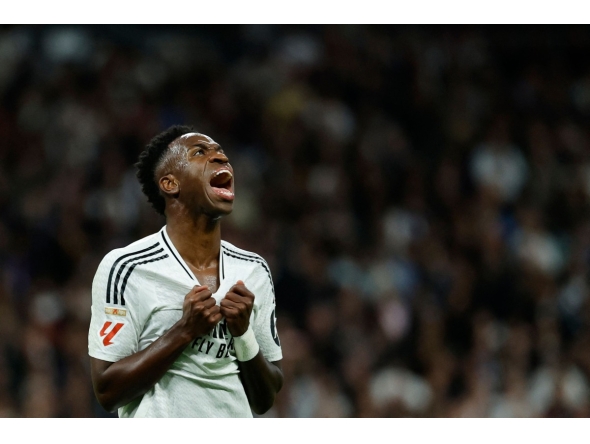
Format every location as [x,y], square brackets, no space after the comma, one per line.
[193,212]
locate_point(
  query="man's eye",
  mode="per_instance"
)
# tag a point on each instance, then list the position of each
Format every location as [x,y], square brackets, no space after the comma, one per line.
[199,152]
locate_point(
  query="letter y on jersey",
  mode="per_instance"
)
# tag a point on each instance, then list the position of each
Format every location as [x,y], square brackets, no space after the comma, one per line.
[111,334]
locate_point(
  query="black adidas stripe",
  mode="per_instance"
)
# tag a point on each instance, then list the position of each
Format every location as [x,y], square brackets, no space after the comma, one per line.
[177,260]
[256,259]
[250,256]
[115,266]
[124,284]
[122,267]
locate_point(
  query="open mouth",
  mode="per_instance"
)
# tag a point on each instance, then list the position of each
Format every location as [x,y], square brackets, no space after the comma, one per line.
[221,183]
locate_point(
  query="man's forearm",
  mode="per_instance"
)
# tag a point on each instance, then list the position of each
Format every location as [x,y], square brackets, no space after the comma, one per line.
[116,384]
[262,381]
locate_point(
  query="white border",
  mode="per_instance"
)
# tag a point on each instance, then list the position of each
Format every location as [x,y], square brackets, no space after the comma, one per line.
[296,431]
[298,11]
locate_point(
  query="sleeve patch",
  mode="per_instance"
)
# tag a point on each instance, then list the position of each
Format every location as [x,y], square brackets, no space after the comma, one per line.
[273,329]
[115,311]
[108,332]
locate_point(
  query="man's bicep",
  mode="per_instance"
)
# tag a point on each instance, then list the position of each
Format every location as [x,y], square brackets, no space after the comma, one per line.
[110,338]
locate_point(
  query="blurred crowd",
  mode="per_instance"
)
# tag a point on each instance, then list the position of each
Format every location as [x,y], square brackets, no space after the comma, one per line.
[421,195]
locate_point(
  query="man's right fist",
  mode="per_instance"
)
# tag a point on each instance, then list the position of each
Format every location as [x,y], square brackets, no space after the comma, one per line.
[199,311]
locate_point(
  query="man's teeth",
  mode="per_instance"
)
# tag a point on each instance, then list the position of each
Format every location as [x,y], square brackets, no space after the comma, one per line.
[223,172]
[221,178]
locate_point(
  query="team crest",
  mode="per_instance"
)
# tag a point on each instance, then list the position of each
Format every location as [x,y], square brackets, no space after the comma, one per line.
[273,329]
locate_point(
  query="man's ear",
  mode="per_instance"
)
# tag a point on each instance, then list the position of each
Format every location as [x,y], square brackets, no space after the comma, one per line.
[169,185]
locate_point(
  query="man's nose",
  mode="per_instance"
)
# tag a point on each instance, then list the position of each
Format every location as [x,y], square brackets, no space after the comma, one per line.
[218,158]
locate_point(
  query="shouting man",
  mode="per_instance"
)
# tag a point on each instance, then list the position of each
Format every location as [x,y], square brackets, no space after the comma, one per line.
[183,323]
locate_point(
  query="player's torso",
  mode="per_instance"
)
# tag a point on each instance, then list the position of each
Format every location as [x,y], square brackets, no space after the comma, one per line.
[208,358]
[145,285]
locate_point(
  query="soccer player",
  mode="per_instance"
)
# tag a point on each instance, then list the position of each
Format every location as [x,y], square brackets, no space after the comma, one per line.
[183,323]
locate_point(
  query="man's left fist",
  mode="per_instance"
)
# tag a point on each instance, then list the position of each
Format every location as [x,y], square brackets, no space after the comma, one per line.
[236,306]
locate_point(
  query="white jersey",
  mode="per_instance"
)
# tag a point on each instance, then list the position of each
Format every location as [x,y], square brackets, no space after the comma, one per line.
[137,295]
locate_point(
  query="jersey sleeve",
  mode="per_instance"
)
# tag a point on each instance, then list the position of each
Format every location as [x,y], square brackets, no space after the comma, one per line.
[265,323]
[116,322]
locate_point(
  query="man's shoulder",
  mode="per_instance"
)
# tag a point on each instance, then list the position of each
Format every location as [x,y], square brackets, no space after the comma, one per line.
[233,251]
[118,268]
[144,248]
[247,258]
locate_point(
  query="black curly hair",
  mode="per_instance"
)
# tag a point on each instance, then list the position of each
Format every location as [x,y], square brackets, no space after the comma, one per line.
[149,159]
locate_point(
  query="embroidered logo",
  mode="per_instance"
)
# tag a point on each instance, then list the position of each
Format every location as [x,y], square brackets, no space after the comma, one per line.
[273,329]
[111,334]
[115,311]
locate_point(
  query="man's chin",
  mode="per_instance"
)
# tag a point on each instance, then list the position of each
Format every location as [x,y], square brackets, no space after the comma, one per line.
[217,206]
[220,209]
[227,211]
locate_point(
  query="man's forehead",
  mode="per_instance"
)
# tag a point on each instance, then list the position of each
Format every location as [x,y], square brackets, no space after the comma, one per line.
[197,135]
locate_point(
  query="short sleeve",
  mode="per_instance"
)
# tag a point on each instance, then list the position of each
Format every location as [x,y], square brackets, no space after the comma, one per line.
[115,324]
[265,323]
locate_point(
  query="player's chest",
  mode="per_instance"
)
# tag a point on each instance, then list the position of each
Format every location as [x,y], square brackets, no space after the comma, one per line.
[169,289]
[208,277]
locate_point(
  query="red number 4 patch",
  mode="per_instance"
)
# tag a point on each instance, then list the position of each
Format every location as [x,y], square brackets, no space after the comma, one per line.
[111,334]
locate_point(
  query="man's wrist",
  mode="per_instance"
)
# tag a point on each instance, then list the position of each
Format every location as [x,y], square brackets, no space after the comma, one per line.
[181,333]
[246,345]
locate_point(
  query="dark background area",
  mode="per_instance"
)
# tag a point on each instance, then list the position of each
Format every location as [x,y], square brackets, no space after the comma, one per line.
[421,194]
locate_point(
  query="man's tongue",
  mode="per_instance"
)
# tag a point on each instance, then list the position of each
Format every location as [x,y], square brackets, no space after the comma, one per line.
[224,193]
[221,185]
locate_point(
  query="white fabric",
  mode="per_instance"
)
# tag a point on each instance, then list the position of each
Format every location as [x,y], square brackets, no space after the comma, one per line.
[153,280]
[246,345]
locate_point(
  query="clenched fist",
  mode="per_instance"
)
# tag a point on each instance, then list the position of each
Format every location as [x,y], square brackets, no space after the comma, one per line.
[236,306]
[199,312]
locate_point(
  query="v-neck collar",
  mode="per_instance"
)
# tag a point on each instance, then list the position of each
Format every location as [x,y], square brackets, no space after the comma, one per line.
[168,242]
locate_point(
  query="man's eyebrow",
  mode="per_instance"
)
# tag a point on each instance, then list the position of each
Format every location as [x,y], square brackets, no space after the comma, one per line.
[206,146]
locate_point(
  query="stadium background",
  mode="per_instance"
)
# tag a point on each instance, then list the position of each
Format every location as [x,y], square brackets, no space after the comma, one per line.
[420,193]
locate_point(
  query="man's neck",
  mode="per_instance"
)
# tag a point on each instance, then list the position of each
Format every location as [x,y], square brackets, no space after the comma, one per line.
[197,239]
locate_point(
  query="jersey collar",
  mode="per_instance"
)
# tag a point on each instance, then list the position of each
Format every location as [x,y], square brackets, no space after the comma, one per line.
[170,245]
